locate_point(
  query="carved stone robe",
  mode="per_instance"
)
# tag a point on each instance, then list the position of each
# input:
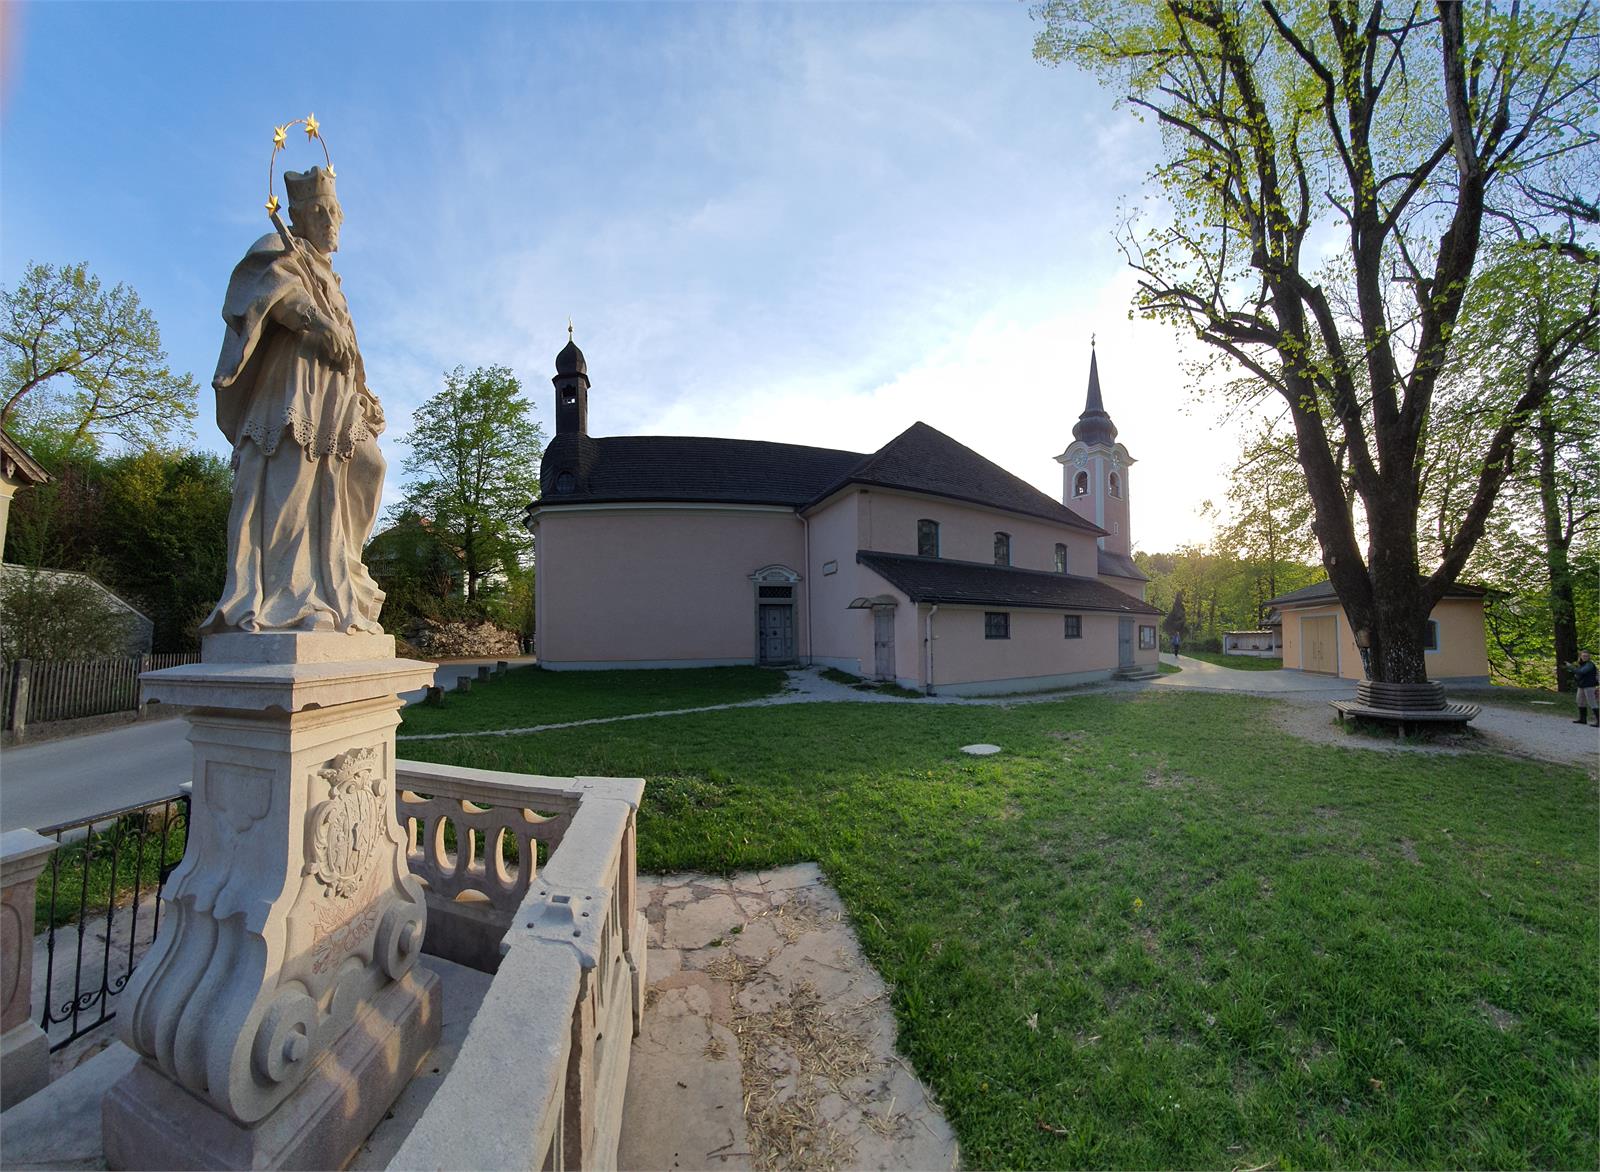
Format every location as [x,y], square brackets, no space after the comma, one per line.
[308,476]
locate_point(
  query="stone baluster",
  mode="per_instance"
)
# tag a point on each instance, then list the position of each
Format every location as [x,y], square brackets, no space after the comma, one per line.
[24,1050]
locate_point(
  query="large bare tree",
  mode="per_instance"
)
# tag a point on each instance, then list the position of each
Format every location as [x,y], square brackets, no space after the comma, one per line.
[1331,171]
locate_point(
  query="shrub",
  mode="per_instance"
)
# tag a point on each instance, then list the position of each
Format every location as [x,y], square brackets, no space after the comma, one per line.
[57,616]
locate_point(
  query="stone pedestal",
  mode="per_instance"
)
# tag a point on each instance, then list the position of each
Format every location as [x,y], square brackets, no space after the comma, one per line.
[24,1050]
[275,1013]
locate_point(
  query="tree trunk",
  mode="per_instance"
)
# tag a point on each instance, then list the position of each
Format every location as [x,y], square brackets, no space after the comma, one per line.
[1395,611]
[1563,614]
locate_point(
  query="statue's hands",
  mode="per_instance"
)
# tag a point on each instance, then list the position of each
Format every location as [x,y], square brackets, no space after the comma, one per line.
[336,344]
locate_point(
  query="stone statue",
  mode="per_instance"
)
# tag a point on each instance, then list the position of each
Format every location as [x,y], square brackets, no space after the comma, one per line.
[292,398]
[280,1010]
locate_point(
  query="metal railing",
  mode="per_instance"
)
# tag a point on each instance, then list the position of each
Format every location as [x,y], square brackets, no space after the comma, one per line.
[107,872]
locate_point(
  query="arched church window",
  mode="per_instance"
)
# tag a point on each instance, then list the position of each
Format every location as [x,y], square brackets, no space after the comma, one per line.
[1114,484]
[1080,484]
[1061,558]
[927,538]
[1002,549]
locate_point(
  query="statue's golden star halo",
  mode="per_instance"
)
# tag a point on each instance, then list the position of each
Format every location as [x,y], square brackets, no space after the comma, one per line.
[280,141]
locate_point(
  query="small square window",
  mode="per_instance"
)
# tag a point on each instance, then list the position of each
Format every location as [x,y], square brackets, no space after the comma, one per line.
[1430,636]
[1074,626]
[996,624]
[1147,638]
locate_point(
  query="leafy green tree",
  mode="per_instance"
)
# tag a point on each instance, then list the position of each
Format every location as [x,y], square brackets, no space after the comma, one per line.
[80,362]
[1265,530]
[1532,317]
[419,572]
[151,525]
[1404,137]
[1176,621]
[473,469]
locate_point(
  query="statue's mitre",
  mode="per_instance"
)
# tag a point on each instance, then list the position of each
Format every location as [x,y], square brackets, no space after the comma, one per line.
[305,186]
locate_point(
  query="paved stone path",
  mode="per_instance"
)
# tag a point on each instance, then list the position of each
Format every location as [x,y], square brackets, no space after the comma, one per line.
[768,1039]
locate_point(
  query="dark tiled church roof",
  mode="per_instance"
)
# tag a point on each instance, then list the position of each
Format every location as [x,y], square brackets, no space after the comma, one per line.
[924,459]
[689,469]
[1119,565]
[734,471]
[941,580]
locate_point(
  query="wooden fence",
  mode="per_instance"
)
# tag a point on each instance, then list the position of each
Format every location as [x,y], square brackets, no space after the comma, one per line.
[40,690]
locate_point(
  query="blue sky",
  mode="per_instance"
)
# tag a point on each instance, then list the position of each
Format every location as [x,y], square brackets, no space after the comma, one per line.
[812,222]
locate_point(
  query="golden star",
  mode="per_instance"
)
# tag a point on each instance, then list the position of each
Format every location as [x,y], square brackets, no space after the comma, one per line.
[311,126]
[272,203]
[280,136]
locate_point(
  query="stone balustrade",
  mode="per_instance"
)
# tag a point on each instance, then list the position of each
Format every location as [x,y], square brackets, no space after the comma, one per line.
[546,1056]
[474,838]
[24,1051]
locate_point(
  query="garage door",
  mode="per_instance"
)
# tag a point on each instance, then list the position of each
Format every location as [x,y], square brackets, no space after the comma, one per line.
[1317,650]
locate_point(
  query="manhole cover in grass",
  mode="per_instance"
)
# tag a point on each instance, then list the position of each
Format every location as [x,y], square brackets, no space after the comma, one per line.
[980,750]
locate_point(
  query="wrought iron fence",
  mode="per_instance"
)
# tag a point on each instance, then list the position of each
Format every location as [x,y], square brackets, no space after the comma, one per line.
[107,873]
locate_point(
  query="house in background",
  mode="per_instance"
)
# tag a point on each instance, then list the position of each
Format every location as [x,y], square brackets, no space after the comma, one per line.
[1317,636]
[17,470]
[921,563]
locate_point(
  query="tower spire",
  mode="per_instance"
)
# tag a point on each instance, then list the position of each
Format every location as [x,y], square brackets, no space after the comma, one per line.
[1094,425]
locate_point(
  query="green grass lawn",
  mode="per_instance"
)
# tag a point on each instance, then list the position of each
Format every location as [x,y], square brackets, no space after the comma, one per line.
[1237,662]
[1533,699]
[1155,932]
[526,697]
[80,880]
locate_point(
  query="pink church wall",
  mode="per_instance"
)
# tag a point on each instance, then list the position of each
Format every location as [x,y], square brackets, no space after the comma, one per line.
[964,660]
[648,586]
[966,532]
[841,637]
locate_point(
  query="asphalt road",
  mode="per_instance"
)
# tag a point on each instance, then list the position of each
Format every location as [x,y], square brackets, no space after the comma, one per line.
[79,777]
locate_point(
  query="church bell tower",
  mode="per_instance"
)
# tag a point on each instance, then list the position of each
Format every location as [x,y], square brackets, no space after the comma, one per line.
[572,389]
[1094,481]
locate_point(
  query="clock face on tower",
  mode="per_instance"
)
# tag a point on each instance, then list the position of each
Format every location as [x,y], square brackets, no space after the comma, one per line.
[1081,459]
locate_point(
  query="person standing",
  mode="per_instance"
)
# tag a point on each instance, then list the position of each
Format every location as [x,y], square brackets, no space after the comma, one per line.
[1587,678]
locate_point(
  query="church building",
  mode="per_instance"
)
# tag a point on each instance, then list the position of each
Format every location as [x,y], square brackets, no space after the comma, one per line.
[921,563]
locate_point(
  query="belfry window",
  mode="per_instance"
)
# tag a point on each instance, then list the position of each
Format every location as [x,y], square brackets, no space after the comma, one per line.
[1080,484]
[1114,485]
